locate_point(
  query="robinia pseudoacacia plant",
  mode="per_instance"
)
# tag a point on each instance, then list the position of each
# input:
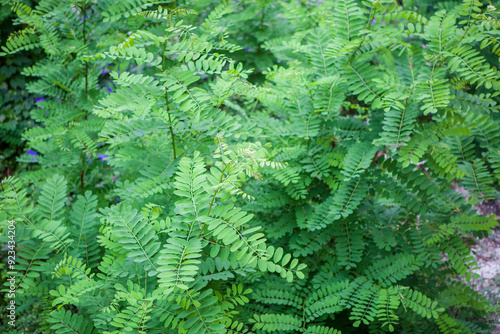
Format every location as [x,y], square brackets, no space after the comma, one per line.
[319,201]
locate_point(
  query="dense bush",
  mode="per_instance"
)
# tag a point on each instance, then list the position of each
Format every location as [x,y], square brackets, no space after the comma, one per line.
[173,189]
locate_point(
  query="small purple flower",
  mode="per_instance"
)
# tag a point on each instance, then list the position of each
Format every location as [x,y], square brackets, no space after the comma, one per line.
[105,71]
[246,48]
[39,99]
[114,178]
[428,63]
[47,113]
[280,117]
[118,199]
[89,160]
[33,154]
[103,157]
[422,45]
[374,21]
[109,89]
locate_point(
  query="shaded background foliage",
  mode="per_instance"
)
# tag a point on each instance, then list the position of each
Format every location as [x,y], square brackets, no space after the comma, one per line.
[15,102]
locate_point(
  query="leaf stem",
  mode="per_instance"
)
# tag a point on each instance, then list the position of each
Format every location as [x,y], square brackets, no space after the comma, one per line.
[166,101]
[84,9]
[213,198]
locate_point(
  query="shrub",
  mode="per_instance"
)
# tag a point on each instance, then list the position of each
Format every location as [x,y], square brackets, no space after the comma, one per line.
[182,197]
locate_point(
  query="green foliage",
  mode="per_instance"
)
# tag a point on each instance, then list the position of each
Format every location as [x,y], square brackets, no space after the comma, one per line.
[15,101]
[168,188]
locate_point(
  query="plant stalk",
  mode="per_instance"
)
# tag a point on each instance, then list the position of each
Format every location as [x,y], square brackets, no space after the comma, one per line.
[166,102]
[84,9]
